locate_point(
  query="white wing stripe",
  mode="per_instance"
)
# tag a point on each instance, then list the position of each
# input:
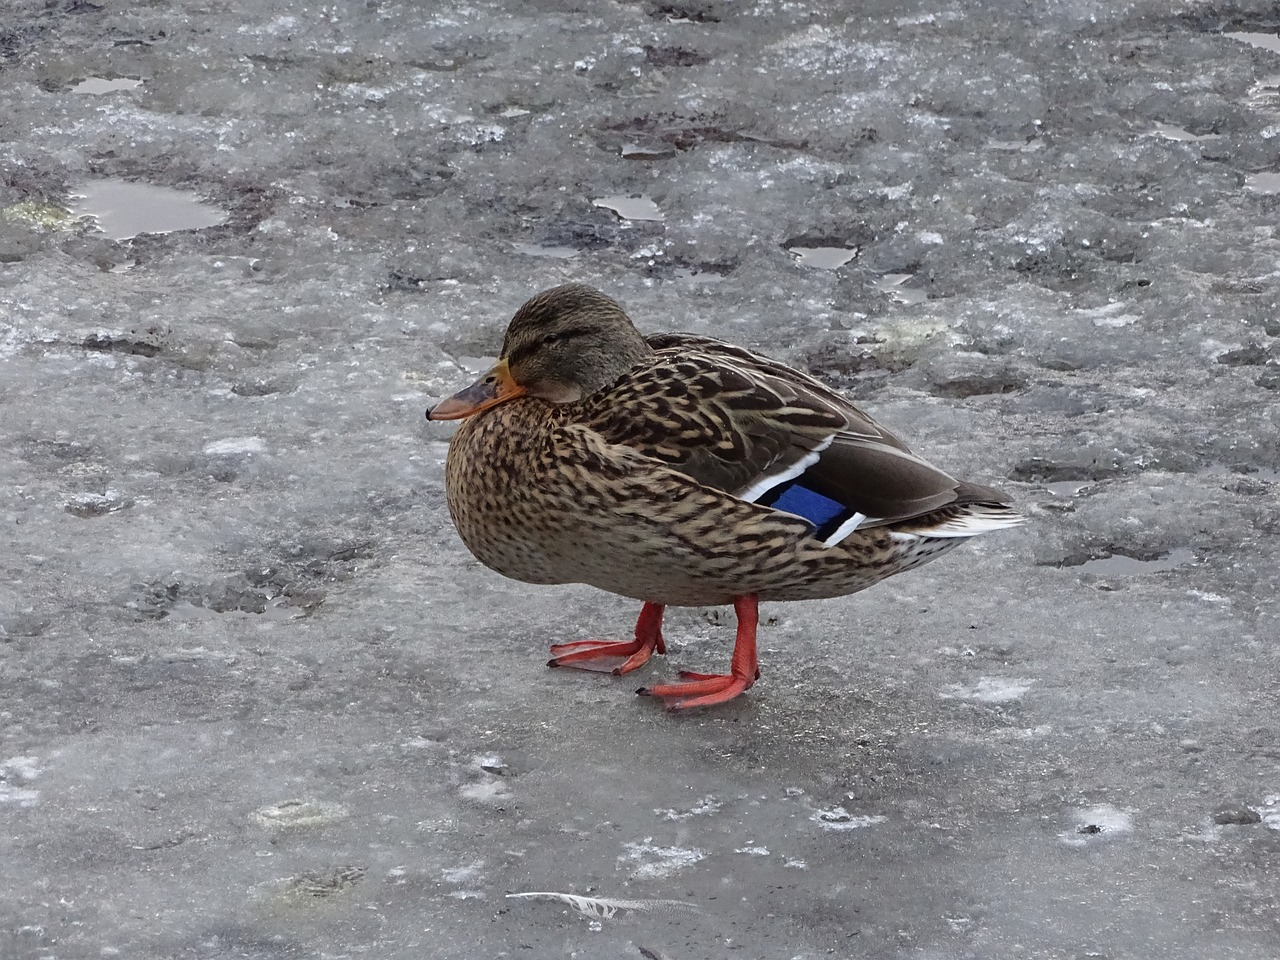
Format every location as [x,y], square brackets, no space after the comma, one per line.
[770,480]
[844,529]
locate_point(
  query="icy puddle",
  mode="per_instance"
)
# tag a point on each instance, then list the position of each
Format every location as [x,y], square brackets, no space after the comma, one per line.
[535,250]
[824,258]
[1067,488]
[1264,41]
[97,86]
[1262,182]
[1265,94]
[636,151]
[122,209]
[630,208]
[892,284]
[1119,565]
[1170,132]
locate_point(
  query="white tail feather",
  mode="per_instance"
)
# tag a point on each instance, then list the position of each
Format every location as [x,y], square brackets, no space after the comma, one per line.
[976,519]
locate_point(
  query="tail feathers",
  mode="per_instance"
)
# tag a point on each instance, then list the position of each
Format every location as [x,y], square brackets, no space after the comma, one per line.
[967,520]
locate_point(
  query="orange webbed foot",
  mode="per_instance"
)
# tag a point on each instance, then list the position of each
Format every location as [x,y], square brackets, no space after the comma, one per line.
[586,654]
[706,691]
[709,689]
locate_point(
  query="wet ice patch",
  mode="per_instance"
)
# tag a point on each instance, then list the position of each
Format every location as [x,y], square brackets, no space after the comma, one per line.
[1120,565]
[299,814]
[823,258]
[654,861]
[470,871]
[1112,315]
[838,818]
[1169,132]
[122,209]
[19,796]
[892,284]
[641,151]
[630,208]
[15,774]
[990,689]
[1270,812]
[1263,41]
[97,86]
[1096,822]
[1265,95]
[1067,488]
[28,768]
[485,791]
[536,250]
[703,808]
[1262,183]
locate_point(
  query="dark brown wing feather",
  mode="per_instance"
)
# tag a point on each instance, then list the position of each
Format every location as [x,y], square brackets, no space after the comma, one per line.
[733,420]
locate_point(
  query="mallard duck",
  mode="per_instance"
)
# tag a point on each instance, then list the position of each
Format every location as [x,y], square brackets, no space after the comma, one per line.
[684,471]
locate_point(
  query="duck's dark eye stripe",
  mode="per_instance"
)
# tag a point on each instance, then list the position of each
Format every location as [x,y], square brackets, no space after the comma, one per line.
[525,349]
[567,334]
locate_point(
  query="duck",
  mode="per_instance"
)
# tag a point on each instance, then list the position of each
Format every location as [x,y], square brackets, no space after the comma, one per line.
[682,470]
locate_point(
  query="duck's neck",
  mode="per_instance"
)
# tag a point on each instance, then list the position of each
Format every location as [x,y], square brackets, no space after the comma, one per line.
[622,357]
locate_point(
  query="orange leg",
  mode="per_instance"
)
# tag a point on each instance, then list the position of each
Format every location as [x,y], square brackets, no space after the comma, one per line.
[708,689]
[581,653]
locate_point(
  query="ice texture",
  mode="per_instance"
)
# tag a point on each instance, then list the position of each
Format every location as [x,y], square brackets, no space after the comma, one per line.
[257,700]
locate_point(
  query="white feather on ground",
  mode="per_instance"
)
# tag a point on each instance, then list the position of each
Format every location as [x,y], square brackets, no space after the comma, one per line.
[604,908]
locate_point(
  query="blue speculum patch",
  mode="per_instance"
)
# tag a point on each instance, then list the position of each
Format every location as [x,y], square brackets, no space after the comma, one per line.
[803,502]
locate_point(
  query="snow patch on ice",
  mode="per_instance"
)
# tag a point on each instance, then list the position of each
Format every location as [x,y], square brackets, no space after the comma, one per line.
[462,874]
[1270,812]
[13,773]
[236,445]
[1095,823]
[991,689]
[655,861]
[1111,315]
[838,818]
[703,808]
[487,791]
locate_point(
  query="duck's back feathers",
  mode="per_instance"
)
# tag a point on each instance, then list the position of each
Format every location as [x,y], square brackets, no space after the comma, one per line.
[766,433]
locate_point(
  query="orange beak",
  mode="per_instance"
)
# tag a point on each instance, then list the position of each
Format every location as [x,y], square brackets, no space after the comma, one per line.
[493,388]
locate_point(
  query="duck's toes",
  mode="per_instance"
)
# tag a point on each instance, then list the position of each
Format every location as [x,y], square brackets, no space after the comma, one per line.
[586,654]
[699,690]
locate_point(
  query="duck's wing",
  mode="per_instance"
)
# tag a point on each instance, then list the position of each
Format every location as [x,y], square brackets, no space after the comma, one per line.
[766,433]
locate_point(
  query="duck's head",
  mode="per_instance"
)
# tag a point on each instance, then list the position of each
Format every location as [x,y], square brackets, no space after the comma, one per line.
[563,344]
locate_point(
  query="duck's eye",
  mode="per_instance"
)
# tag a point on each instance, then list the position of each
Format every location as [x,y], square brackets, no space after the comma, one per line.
[569,333]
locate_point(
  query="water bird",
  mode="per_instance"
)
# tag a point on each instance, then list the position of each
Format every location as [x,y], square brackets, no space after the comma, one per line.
[682,470]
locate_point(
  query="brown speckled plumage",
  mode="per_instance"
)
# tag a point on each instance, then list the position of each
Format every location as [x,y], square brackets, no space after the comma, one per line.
[629,464]
[542,499]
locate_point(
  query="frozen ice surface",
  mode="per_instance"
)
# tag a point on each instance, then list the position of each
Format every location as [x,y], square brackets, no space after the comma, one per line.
[257,701]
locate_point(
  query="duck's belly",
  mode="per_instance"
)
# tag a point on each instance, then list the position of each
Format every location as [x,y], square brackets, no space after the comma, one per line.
[660,538]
